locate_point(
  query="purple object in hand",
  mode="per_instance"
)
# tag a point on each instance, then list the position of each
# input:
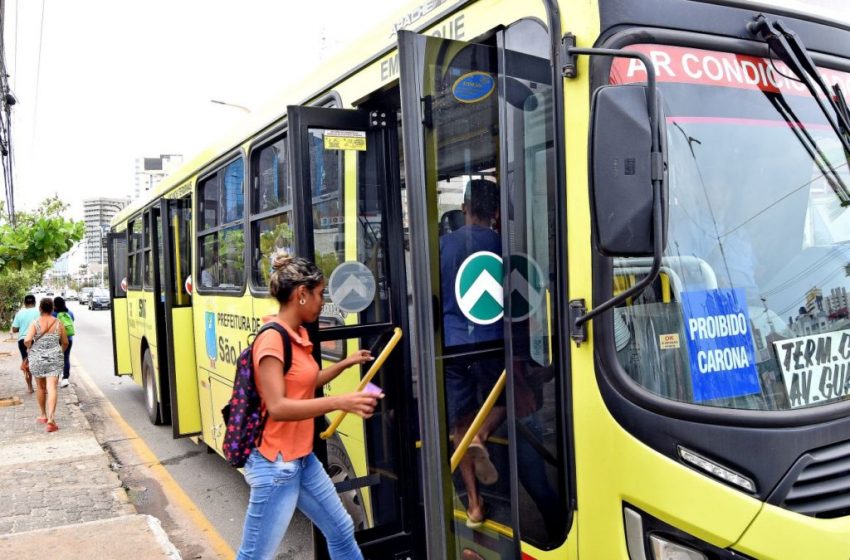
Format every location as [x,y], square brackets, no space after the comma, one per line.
[372,388]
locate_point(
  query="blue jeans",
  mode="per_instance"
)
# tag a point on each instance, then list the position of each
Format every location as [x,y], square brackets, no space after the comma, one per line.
[277,488]
[66,370]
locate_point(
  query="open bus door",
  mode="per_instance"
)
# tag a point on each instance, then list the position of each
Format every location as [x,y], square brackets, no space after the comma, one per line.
[345,172]
[177,310]
[116,243]
[487,263]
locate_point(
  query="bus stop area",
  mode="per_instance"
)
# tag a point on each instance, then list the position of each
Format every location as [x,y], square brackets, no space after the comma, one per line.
[58,494]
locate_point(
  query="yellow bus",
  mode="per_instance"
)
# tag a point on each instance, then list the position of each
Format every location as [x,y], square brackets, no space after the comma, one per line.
[667,181]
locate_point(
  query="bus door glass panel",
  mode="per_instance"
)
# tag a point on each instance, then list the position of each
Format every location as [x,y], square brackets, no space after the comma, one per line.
[346,196]
[529,215]
[487,149]
[179,232]
[339,164]
[117,245]
[271,209]
[147,261]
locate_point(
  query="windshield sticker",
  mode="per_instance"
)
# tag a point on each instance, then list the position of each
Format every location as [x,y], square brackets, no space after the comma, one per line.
[695,66]
[815,369]
[720,345]
[668,341]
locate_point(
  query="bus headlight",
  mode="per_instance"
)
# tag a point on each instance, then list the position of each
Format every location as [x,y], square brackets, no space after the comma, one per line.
[662,549]
[649,538]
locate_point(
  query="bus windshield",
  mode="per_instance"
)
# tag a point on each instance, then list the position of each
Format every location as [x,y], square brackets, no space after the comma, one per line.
[751,307]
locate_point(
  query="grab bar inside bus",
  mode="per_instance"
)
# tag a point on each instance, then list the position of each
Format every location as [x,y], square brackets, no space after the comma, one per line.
[488,405]
[376,365]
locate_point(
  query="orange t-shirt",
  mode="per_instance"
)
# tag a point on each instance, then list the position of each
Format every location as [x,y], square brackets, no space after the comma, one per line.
[292,439]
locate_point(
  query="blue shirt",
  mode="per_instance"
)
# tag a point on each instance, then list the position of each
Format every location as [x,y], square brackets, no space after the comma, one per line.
[23,319]
[455,247]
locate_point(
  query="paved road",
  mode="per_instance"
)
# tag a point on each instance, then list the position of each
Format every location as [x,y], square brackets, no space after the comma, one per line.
[217,489]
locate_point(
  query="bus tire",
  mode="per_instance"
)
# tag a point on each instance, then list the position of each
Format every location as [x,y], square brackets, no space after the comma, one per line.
[149,382]
[340,469]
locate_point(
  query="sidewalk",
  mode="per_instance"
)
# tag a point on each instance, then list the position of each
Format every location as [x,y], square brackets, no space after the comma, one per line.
[58,495]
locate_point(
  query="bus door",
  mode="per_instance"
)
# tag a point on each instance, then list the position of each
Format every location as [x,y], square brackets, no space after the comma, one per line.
[345,172]
[177,308]
[479,157]
[157,356]
[117,263]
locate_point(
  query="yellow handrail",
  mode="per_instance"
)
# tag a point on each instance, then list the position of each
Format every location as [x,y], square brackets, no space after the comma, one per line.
[376,365]
[488,405]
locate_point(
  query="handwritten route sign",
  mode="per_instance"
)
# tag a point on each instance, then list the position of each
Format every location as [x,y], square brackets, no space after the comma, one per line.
[720,344]
[815,369]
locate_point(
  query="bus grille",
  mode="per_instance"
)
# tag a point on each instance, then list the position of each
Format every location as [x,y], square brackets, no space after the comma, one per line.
[822,487]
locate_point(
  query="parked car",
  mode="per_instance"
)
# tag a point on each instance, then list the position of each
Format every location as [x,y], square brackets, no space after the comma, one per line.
[71,295]
[99,299]
[85,295]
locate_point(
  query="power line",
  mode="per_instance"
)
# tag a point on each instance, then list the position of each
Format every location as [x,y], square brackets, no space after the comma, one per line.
[37,78]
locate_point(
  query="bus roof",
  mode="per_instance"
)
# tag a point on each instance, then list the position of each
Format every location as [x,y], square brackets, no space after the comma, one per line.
[371,45]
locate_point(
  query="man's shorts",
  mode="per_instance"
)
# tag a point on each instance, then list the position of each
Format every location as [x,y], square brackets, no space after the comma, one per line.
[468,382]
[23,349]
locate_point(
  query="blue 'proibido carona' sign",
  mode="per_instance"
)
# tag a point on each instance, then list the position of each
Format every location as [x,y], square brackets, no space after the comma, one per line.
[720,344]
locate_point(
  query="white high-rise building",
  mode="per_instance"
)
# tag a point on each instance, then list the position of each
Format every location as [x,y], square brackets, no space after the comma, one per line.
[98,212]
[151,170]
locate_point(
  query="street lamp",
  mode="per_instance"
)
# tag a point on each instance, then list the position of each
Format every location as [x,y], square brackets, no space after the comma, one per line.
[240,107]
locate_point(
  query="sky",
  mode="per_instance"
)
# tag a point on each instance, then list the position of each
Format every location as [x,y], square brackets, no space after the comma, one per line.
[102,82]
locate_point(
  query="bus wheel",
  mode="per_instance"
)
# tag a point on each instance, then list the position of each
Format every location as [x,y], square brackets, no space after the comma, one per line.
[149,381]
[340,469]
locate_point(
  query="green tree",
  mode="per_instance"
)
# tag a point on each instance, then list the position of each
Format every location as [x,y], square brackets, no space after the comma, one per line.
[37,237]
[28,248]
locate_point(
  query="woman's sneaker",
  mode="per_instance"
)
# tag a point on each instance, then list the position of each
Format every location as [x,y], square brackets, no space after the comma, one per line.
[63,383]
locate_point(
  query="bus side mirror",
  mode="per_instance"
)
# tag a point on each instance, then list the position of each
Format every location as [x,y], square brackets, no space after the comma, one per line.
[623,169]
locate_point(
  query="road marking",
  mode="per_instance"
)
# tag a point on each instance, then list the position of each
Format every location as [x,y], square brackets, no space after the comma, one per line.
[171,488]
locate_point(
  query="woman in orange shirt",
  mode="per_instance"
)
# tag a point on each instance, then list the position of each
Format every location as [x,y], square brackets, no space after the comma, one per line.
[282,471]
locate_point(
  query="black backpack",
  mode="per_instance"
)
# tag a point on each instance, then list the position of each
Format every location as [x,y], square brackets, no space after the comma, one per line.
[243,418]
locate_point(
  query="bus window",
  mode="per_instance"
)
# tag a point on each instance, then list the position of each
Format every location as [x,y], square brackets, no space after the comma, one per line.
[222,241]
[134,232]
[271,209]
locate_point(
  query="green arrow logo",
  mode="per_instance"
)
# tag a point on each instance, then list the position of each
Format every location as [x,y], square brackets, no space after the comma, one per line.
[478,288]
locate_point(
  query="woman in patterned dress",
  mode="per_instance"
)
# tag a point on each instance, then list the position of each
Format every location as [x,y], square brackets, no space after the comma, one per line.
[46,341]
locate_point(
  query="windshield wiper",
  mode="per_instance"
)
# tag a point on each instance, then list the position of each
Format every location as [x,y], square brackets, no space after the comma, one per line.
[841,104]
[790,49]
[811,146]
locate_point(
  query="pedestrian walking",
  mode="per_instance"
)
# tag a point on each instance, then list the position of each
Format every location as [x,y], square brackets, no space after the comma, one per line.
[46,342]
[20,324]
[282,471]
[61,312]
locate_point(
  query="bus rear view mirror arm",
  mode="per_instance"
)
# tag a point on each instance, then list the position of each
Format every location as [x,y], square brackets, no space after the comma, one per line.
[628,173]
